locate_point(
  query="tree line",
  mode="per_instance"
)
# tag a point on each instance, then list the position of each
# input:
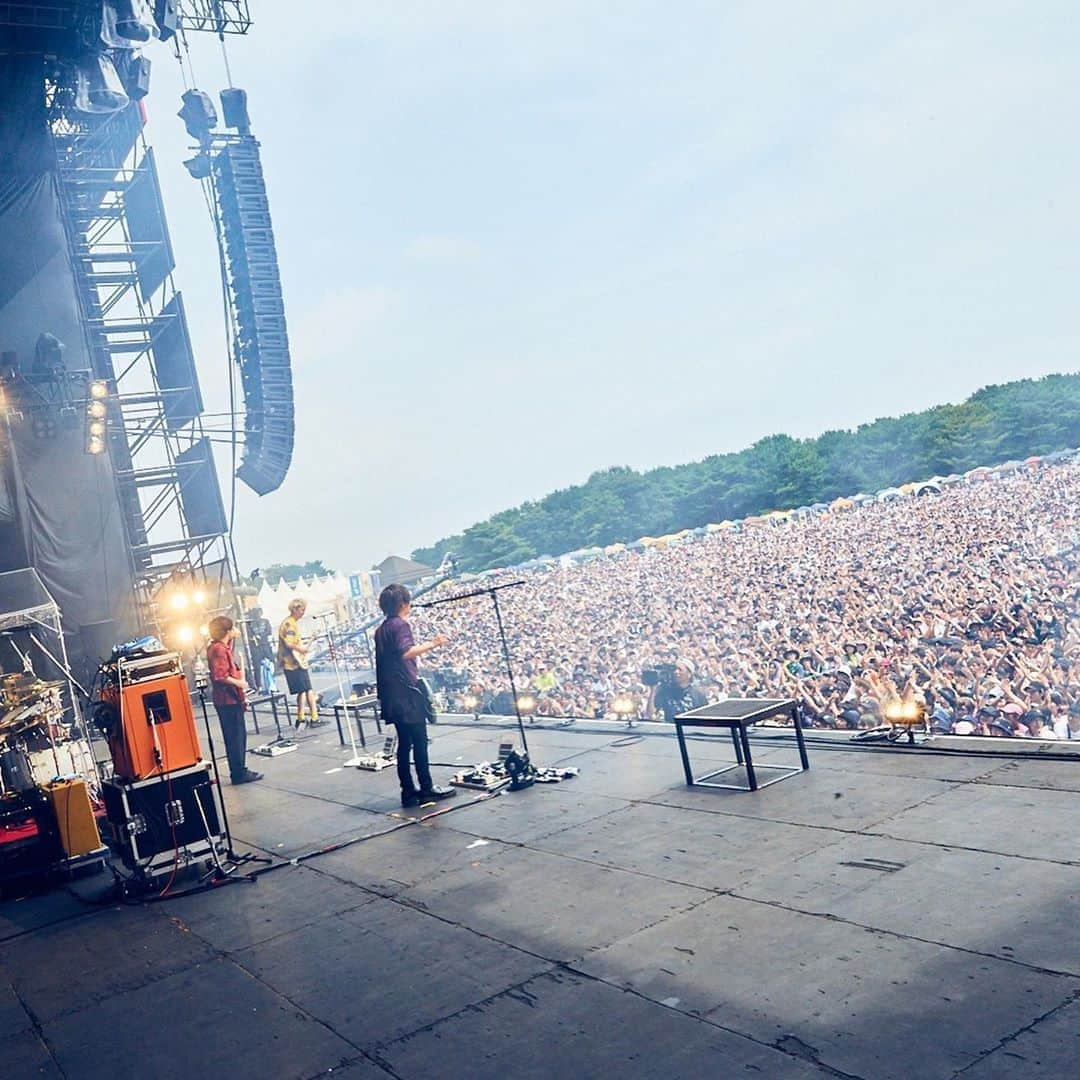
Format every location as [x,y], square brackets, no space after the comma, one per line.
[617,505]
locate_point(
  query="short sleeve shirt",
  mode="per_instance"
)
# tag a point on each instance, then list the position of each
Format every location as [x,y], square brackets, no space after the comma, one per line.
[396,676]
[288,638]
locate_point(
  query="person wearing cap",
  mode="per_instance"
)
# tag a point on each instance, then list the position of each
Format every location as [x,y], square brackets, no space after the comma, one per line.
[677,696]
[1036,726]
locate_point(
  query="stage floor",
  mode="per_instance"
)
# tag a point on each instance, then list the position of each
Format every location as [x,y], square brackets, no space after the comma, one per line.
[889,914]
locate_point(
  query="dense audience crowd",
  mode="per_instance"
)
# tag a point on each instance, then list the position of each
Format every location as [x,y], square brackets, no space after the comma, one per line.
[962,602]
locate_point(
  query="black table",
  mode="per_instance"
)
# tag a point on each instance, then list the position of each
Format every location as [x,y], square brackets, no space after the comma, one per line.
[271,700]
[737,714]
[369,701]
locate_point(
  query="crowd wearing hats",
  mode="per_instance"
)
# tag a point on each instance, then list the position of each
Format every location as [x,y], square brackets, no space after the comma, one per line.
[963,601]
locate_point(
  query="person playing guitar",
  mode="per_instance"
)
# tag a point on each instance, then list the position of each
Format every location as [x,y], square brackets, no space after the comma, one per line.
[292,655]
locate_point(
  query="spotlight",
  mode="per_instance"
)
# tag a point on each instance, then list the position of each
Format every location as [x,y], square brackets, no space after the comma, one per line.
[123,24]
[96,410]
[98,389]
[526,703]
[198,597]
[95,445]
[204,630]
[184,635]
[98,88]
[179,600]
[96,429]
[904,712]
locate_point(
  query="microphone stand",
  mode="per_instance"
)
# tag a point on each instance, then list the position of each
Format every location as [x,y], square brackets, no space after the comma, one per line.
[235,858]
[493,591]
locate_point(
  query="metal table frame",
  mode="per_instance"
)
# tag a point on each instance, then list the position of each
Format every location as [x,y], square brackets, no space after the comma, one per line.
[710,716]
[271,700]
[370,702]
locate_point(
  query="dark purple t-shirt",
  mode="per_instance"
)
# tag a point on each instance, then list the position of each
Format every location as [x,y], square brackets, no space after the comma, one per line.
[394,674]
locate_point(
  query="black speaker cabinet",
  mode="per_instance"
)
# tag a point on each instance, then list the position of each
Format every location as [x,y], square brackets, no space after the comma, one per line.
[155,824]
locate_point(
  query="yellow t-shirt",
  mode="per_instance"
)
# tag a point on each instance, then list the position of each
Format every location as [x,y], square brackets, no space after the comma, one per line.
[288,638]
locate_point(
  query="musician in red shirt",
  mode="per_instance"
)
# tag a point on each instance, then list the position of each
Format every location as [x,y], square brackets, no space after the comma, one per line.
[229,686]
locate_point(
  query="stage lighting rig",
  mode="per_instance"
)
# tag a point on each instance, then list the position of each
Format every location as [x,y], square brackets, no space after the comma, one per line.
[96,416]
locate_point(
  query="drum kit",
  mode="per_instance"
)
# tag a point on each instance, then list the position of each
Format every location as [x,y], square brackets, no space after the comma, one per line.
[31,726]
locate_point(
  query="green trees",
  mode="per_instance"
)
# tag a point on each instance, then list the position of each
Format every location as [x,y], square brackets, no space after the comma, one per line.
[998,423]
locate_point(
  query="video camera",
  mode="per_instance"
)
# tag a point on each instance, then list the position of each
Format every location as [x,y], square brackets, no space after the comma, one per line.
[659,675]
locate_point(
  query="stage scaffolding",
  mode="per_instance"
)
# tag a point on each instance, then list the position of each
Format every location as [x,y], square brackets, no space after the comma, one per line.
[137,334]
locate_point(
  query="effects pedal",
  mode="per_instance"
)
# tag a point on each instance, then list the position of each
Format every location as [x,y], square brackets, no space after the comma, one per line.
[383,760]
[275,748]
[487,776]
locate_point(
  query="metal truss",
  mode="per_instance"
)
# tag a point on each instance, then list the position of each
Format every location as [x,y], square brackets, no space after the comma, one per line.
[215,16]
[98,162]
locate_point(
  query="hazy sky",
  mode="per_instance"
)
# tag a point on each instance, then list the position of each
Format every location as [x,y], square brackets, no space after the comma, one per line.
[522,241]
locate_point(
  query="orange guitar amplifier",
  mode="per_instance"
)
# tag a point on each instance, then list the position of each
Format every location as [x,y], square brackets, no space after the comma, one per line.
[156,733]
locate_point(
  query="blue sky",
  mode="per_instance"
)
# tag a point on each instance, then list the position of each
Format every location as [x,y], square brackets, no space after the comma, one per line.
[524,241]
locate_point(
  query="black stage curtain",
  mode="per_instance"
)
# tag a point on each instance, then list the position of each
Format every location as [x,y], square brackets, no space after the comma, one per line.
[68,520]
[25,144]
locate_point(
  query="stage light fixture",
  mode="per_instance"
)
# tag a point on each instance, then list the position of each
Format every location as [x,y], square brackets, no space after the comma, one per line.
[526,703]
[184,634]
[198,597]
[198,167]
[204,630]
[96,429]
[904,712]
[96,410]
[132,20]
[95,445]
[98,389]
[179,601]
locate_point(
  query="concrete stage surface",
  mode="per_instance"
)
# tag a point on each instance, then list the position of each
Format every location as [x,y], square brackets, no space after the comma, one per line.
[885,915]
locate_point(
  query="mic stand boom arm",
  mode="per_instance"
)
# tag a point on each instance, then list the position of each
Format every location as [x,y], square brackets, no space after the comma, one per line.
[493,591]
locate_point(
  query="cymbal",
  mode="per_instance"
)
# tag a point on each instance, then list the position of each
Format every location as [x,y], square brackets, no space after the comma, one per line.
[17,721]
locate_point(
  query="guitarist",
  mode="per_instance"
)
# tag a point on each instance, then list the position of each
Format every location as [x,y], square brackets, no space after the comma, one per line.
[400,695]
[292,655]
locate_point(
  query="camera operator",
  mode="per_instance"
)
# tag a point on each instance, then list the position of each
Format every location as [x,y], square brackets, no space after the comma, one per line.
[675,694]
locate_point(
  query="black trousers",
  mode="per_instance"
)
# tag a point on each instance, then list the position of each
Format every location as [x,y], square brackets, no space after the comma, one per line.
[233,728]
[412,738]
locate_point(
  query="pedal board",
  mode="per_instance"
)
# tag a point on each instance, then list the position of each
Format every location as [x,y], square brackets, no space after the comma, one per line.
[275,748]
[383,760]
[482,778]
[487,776]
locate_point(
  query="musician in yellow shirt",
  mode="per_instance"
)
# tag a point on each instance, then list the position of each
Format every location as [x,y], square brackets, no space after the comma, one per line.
[292,655]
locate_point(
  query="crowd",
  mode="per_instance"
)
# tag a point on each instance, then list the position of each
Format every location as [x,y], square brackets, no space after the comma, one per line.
[963,602]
